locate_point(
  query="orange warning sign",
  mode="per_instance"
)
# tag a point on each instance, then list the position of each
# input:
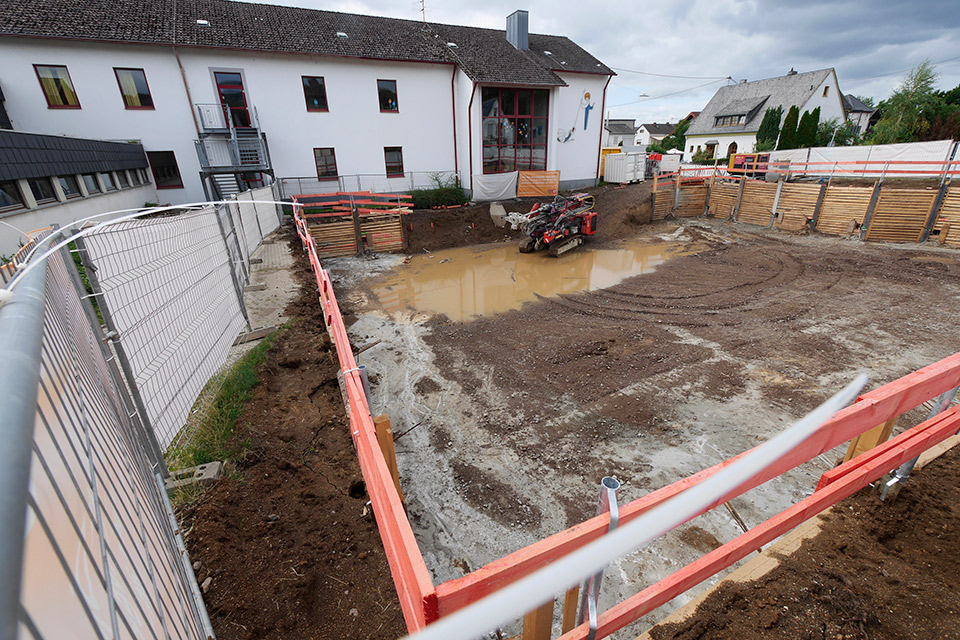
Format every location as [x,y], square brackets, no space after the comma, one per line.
[531,184]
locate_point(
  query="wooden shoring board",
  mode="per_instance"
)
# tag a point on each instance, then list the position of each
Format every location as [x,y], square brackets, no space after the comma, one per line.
[796,205]
[840,206]
[901,215]
[723,198]
[664,204]
[949,214]
[334,239]
[383,233]
[692,201]
[756,205]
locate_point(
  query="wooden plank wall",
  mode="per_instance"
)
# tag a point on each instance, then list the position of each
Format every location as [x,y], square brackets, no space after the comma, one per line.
[664,203]
[949,214]
[840,206]
[382,233]
[335,238]
[723,198]
[756,205]
[693,200]
[901,215]
[797,203]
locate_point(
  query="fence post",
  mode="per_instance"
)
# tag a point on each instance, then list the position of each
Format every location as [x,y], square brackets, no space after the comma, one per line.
[868,216]
[816,209]
[776,201]
[932,218]
[21,336]
[233,231]
[736,207]
[113,335]
[237,288]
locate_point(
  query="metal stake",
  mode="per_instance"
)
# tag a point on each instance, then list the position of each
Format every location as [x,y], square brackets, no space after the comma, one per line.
[899,477]
[591,587]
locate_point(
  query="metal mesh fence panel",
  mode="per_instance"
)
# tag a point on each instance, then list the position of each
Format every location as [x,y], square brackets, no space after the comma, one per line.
[101,556]
[170,288]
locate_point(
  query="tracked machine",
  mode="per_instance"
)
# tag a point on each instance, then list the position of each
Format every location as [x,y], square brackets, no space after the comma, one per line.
[559,226]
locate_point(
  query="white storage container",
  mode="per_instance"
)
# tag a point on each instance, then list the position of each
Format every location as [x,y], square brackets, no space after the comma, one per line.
[623,168]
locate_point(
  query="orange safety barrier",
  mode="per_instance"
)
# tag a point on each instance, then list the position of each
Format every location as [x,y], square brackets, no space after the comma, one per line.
[365,202]
[410,575]
[423,603]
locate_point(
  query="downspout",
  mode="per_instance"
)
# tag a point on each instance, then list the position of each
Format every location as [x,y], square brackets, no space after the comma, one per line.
[183,76]
[470,133]
[453,108]
[603,110]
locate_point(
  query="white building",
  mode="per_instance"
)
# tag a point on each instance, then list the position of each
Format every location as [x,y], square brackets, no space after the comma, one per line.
[619,133]
[858,114]
[309,93]
[651,132]
[729,122]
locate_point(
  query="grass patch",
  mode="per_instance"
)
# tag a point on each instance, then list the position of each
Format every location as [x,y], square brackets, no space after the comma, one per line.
[212,434]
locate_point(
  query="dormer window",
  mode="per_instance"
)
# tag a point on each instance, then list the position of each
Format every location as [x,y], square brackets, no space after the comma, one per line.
[730,121]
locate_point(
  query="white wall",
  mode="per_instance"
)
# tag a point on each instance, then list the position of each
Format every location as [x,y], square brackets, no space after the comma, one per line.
[467,125]
[577,159]
[168,127]
[745,144]
[831,105]
[63,213]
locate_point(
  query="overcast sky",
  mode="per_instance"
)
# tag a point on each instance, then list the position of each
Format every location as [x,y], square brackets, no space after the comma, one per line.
[870,44]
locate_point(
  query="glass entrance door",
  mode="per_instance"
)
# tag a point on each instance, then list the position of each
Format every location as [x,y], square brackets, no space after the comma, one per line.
[230,88]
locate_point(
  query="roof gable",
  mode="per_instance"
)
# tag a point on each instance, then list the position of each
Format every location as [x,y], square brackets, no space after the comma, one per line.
[782,91]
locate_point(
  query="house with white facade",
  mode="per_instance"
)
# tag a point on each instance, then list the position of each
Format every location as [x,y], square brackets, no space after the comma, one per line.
[730,121]
[651,132]
[619,132]
[858,114]
[219,91]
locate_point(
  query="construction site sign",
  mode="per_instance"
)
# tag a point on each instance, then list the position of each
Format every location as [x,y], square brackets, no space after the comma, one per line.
[532,184]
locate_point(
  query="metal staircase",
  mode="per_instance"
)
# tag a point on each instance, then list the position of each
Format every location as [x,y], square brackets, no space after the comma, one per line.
[227,152]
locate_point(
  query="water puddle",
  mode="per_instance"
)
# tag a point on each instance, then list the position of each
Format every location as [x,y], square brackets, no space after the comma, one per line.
[466,283]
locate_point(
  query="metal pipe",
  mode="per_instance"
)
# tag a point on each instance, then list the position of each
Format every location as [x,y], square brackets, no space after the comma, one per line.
[899,477]
[590,593]
[21,336]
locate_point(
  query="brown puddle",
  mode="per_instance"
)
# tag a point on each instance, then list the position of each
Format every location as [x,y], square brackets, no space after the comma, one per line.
[465,283]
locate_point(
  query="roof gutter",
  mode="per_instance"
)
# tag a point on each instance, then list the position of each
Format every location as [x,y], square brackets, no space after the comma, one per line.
[473,93]
[603,109]
[183,76]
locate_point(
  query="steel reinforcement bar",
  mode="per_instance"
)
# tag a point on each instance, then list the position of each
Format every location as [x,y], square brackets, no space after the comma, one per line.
[415,588]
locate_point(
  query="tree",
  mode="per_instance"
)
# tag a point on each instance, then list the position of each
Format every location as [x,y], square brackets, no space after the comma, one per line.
[908,112]
[769,129]
[841,134]
[678,138]
[807,129]
[788,133]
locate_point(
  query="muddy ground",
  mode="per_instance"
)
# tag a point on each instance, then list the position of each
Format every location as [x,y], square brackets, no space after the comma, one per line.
[284,536]
[875,571]
[513,419]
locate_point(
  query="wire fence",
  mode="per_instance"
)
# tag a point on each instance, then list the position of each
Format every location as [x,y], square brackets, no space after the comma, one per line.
[89,547]
[378,183]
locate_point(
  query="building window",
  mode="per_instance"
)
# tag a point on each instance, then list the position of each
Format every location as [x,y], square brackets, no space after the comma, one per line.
[729,121]
[826,90]
[10,197]
[42,190]
[326,160]
[135,177]
[315,93]
[514,129]
[122,179]
[388,95]
[166,174]
[57,87]
[134,88]
[70,187]
[393,158]
[143,176]
[691,148]
[90,182]
[108,182]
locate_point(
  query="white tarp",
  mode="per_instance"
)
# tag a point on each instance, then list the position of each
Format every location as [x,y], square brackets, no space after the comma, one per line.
[495,186]
[878,155]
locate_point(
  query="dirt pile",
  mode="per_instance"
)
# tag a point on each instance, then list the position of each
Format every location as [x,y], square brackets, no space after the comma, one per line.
[874,571]
[284,539]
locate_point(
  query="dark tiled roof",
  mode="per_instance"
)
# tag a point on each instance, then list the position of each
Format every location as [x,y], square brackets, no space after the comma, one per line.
[484,54]
[852,103]
[620,128]
[662,129]
[33,155]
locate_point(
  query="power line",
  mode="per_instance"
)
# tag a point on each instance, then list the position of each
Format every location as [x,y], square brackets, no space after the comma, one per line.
[666,95]
[893,73]
[667,75]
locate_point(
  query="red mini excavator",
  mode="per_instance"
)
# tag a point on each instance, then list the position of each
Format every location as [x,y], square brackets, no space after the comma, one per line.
[558,226]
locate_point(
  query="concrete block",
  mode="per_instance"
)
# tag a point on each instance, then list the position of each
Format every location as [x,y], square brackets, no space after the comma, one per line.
[204,475]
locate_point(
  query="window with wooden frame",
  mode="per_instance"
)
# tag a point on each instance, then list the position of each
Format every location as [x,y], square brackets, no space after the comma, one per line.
[166,173]
[315,93]
[69,186]
[826,91]
[729,121]
[514,129]
[42,190]
[393,159]
[387,91]
[10,196]
[326,159]
[57,86]
[134,88]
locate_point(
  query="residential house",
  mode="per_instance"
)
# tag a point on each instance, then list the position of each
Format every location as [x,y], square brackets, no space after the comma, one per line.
[653,132]
[858,114]
[618,133]
[729,122]
[241,91]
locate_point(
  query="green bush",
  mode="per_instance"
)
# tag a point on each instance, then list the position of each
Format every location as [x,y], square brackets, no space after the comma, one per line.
[443,196]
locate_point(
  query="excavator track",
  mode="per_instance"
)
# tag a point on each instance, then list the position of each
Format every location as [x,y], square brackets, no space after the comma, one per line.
[557,249]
